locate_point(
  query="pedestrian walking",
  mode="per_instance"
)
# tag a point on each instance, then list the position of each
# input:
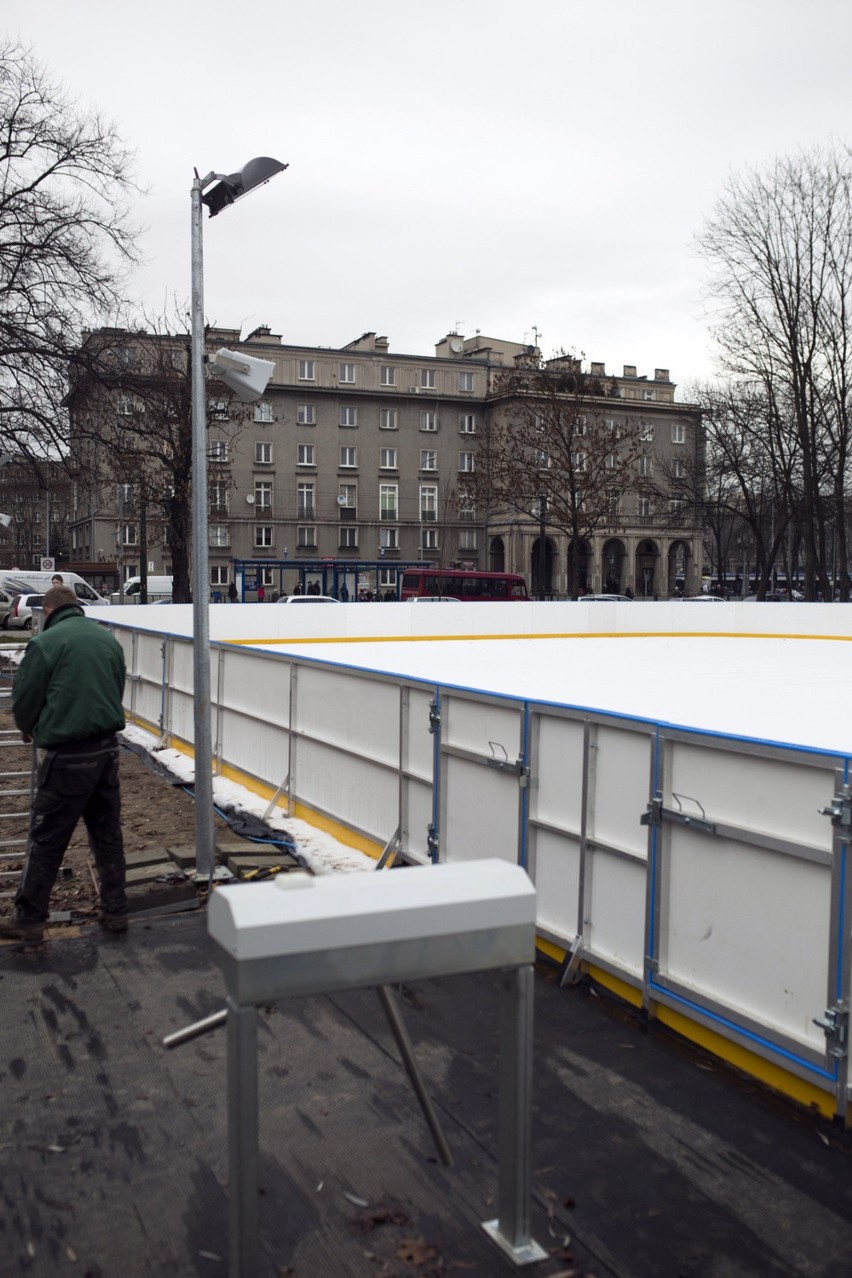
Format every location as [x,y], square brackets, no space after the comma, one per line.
[67,698]
[233,597]
[261,594]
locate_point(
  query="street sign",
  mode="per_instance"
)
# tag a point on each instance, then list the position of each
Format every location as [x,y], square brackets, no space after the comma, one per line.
[47,565]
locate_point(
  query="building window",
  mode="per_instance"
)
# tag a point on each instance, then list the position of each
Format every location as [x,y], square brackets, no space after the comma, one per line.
[218,574]
[262,452]
[466,463]
[467,423]
[465,381]
[305,499]
[306,536]
[263,412]
[217,495]
[646,432]
[542,459]
[580,425]
[347,538]
[467,539]
[218,411]
[125,405]
[643,507]
[428,539]
[428,459]
[428,420]
[578,461]
[388,502]
[129,535]
[263,536]
[647,394]
[263,494]
[678,433]
[307,370]
[348,415]
[347,499]
[217,451]
[305,455]
[219,535]
[610,461]
[387,375]
[348,457]
[387,419]
[389,539]
[428,502]
[306,415]
[387,459]
[467,505]
[427,378]
[646,466]
[346,373]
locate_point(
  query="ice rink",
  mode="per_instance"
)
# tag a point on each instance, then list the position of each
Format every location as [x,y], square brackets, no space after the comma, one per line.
[771,672]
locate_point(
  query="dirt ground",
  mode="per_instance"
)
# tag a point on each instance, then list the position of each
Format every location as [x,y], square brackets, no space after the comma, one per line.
[155,815]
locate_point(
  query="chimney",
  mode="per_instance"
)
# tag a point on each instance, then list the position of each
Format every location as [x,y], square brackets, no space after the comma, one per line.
[661,374]
[597,370]
[629,370]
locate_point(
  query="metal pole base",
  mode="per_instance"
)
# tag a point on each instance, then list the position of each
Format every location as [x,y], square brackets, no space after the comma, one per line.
[528,1253]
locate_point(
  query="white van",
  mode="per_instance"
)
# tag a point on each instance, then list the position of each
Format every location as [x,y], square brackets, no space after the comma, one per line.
[22,582]
[158,588]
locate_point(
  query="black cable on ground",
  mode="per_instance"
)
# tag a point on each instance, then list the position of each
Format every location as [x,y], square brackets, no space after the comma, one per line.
[244,824]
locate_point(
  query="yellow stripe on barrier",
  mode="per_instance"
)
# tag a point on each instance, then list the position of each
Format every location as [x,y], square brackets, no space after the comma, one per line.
[597,634]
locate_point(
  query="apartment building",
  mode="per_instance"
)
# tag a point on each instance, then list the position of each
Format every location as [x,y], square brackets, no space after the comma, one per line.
[358,454]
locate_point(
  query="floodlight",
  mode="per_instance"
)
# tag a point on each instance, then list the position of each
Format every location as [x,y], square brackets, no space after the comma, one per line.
[246,376]
[231,186]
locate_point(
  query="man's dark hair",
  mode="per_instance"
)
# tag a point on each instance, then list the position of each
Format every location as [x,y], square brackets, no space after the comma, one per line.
[59,597]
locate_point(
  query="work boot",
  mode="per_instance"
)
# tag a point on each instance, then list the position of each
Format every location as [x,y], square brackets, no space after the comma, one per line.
[16,929]
[113,922]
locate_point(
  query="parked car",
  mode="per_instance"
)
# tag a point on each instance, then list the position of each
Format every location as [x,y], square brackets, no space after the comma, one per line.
[704,599]
[21,614]
[6,602]
[605,599]
[291,599]
[433,599]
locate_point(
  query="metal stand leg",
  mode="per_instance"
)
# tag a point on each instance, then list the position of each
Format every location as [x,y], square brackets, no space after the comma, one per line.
[511,1229]
[242,1140]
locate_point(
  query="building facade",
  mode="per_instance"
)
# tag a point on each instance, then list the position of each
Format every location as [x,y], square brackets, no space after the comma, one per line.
[359,454]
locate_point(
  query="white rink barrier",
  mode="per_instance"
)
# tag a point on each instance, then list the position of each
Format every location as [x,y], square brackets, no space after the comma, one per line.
[700,873]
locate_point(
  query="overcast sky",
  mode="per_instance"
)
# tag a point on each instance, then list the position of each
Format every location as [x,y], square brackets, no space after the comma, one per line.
[474,165]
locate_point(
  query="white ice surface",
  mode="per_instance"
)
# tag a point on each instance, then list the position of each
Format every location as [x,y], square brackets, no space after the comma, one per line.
[770,672]
[789,691]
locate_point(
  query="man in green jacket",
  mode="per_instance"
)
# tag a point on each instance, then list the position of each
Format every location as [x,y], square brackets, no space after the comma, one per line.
[67,698]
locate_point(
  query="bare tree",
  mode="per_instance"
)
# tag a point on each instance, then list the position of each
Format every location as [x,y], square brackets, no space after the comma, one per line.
[781,273]
[65,236]
[132,429]
[554,452]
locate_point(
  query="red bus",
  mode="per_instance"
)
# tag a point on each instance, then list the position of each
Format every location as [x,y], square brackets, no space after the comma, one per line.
[472,587]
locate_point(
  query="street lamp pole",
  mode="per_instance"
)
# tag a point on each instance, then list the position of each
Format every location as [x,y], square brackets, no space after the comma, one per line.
[204,842]
[221,191]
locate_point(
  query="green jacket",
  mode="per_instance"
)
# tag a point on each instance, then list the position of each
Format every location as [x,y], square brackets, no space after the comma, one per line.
[70,683]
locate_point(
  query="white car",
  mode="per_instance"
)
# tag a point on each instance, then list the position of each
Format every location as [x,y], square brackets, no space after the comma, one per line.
[306,599]
[605,599]
[21,614]
[433,599]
